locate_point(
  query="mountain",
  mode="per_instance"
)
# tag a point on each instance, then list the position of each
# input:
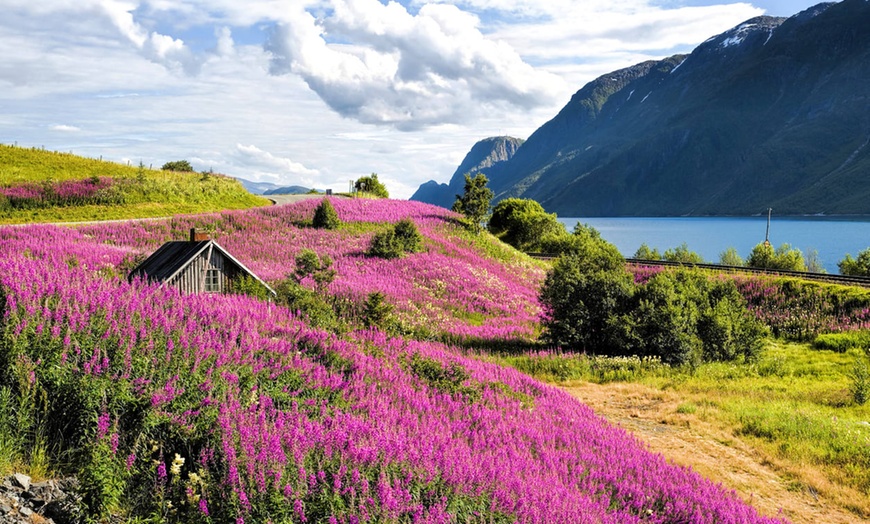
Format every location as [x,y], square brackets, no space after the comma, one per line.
[257,188]
[287,190]
[489,156]
[772,113]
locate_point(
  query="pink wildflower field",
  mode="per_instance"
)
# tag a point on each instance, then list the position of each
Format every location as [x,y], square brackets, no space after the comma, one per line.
[188,408]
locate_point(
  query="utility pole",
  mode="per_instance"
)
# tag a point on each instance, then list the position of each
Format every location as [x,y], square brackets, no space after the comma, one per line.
[767,234]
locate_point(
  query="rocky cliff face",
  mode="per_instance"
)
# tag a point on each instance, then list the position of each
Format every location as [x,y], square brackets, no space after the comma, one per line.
[487,156]
[773,113]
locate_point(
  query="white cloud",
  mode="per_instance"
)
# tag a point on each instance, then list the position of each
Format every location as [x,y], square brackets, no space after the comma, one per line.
[160,80]
[254,156]
[64,128]
[406,70]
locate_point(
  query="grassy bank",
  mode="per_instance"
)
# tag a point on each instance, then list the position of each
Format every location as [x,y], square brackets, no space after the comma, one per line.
[795,406]
[45,186]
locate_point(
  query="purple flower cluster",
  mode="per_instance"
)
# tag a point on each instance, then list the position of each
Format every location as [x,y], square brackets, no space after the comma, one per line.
[63,193]
[320,428]
[436,289]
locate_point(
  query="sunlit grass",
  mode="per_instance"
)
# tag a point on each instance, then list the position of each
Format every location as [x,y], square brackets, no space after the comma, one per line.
[793,405]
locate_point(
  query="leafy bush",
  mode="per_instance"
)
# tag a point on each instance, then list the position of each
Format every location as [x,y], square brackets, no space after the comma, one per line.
[325,216]
[784,257]
[396,241]
[385,245]
[410,240]
[248,285]
[585,295]
[842,342]
[683,255]
[856,266]
[377,312]
[645,253]
[318,268]
[523,223]
[730,257]
[178,165]
[372,186]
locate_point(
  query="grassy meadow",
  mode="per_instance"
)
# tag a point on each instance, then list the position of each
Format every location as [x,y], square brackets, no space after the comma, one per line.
[45,186]
[795,406]
[406,389]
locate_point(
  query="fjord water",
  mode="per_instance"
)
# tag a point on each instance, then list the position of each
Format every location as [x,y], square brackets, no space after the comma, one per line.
[832,237]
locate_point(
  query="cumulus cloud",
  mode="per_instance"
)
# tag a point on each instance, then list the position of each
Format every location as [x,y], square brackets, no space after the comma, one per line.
[266,164]
[380,64]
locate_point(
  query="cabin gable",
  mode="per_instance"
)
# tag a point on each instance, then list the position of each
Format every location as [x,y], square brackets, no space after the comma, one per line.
[199,265]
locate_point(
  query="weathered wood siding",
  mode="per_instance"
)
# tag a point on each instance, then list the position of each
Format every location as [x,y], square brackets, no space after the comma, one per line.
[192,278]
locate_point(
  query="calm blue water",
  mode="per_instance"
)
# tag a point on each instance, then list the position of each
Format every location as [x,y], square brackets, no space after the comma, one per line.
[831,237]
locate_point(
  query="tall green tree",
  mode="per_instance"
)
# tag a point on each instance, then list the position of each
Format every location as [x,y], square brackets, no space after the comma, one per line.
[372,186]
[475,202]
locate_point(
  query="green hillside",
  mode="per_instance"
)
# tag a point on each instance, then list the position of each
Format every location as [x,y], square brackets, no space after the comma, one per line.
[45,186]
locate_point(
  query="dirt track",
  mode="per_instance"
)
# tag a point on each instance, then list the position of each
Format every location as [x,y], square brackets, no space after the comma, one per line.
[717,454]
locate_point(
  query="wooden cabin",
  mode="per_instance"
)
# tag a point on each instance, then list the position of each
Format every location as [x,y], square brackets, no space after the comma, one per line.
[197,265]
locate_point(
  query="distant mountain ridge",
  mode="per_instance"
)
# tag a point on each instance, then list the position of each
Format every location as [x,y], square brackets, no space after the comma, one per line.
[772,113]
[488,156]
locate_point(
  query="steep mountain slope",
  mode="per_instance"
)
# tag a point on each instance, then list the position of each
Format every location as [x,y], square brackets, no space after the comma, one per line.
[773,113]
[487,156]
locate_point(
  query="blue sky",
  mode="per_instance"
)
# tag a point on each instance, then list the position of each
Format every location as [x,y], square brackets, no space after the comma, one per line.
[320,92]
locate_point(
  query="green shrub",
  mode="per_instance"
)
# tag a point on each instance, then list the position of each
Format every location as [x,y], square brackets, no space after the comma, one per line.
[319,268]
[386,245]
[784,257]
[730,257]
[378,312]
[248,285]
[396,241]
[176,165]
[325,216]
[857,267]
[842,342]
[372,186]
[523,223]
[645,253]
[684,318]
[683,255]
[584,297]
[407,236]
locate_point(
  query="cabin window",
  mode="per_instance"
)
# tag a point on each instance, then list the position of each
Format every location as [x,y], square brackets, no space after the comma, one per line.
[212,281]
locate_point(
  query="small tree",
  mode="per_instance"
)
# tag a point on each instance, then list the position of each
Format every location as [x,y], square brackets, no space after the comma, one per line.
[372,186]
[475,201]
[325,216]
[730,257]
[377,311]
[319,268]
[177,165]
[784,257]
[856,266]
[585,296]
[523,223]
[682,255]
[407,236]
[645,253]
